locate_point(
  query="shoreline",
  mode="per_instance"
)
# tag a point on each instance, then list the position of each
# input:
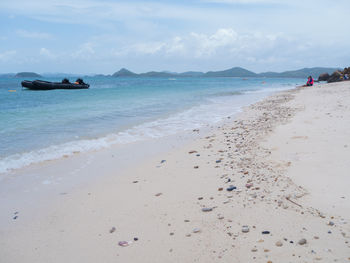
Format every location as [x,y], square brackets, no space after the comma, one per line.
[160,203]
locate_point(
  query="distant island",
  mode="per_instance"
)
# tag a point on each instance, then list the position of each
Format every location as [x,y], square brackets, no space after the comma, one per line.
[27,75]
[232,72]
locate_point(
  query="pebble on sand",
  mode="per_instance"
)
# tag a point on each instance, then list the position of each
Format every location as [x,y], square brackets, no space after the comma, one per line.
[230,188]
[196,230]
[112,230]
[158,194]
[207,209]
[124,243]
[245,229]
[302,241]
[279,243]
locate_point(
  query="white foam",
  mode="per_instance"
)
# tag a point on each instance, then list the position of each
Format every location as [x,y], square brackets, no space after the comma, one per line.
[215,110]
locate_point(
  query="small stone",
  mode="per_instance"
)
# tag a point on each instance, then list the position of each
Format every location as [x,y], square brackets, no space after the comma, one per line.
[218,161]
[186,220]
[279,243]
[329,232]
[245,229]
[254,249]
[196,230]
[193,151]
[265,232]
[266,250]
[196,167]
[112,230]
[316,237]
[318,258]
[162,161]
[171,233]
[220,217]
[200,198]
[123,243]
[136,238]
[269,261]
[135,182]
[302,241]
[220,189]
[331,223]
[249,185]
[230,188]
[188,235]
[158,194]
[207,209]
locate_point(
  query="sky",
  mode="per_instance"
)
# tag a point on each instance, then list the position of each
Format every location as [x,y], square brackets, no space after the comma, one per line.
[102,36]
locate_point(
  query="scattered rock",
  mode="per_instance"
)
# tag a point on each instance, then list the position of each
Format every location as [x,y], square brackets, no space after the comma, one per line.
[245,229]
[331,223]
[302,241]
[316,237]
[254,249]
[158,194]
[323,77]
[218,161]
[220,189]
[196,167]
[230,188]
[135,182]
[279,243]
[124,243]
[249,185]
[200,198]
[265,232]
[193,151]
[171,233]
[196,230]
[162,161]
[207,209]
[136,238]
[112,230]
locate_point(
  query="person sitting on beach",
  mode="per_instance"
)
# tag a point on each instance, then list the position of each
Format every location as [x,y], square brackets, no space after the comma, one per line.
[310,81]
[346,77]
[79,81]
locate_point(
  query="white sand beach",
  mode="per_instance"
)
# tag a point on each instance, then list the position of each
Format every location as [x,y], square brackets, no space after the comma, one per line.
[285,157]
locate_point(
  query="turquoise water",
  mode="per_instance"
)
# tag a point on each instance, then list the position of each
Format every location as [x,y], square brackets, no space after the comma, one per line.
[44,125]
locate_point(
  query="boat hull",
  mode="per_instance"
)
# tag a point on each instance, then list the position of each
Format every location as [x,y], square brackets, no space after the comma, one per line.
[46,85]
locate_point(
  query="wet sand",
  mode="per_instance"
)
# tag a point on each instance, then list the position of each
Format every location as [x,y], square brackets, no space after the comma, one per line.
[267,186]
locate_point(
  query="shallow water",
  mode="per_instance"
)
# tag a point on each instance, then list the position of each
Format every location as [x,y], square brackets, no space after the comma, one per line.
[44,125]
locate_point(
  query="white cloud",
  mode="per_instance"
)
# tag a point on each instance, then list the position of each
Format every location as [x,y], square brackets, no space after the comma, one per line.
[86,51]
[47,53]
[7,55]
[225,42]
[32,34]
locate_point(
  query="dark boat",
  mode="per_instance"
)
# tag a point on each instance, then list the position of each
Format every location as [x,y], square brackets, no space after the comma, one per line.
[46,85]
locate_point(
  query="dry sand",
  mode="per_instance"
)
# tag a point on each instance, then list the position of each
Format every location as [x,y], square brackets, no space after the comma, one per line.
[286,156]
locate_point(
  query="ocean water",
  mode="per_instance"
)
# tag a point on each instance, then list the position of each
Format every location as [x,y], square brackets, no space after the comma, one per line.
[44,125]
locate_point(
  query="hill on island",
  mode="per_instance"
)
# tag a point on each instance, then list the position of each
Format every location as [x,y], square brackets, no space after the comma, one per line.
[27,75]
[232,72]
[124,73]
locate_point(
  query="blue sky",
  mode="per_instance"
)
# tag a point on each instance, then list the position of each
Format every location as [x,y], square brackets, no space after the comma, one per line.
[102,36]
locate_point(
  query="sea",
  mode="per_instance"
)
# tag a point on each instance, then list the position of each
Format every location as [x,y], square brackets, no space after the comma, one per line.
[37,126]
